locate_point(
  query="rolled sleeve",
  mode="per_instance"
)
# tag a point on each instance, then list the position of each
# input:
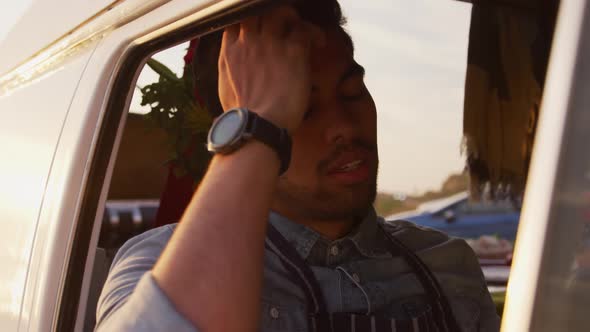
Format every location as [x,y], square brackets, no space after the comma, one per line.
[146,309]
[131,299]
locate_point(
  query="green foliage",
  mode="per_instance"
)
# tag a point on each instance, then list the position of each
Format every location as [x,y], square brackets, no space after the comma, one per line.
[174,109]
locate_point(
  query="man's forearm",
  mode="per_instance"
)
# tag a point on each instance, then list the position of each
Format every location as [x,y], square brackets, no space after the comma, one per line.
[212,267]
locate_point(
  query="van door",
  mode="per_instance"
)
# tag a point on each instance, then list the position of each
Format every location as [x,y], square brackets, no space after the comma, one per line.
[549,289]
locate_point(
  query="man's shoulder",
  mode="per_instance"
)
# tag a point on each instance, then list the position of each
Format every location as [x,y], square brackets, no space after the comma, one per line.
[133,260]
[457,269]
[439,250]
[415,236]
[400,225]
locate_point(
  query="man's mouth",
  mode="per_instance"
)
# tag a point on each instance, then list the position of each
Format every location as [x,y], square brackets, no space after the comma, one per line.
[350,166]
[354,172]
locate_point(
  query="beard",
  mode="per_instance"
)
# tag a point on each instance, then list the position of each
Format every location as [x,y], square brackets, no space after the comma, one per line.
[327,203]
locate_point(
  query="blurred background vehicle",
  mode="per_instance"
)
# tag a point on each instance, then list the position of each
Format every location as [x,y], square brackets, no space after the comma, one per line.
[457,216]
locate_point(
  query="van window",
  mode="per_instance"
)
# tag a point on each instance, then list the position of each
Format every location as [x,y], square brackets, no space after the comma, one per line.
[423,69]
[415,55]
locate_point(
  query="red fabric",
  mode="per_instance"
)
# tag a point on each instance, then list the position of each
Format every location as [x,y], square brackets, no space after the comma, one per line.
[175,198]
[178,190]
[188,58]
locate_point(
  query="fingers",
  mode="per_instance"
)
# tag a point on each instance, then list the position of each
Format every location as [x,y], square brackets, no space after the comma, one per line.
[241,30]
[230,35]
[249,26]
[279,22]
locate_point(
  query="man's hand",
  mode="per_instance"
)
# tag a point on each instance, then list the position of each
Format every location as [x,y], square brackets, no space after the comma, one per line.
[264,66]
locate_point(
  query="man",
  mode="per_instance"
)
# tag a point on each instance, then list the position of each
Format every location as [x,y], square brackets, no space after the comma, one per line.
[322,260]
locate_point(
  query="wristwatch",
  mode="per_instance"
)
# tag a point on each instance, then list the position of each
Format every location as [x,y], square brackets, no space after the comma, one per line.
[235,127]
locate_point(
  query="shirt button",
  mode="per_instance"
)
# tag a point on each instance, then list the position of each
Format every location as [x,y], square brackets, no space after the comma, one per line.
[334,250]
[356,277]
[274,312]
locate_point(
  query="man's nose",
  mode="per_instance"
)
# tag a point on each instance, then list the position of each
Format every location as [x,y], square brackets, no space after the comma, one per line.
[342,127]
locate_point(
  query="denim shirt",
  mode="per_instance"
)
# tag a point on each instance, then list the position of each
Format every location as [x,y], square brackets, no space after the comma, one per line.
[356,274]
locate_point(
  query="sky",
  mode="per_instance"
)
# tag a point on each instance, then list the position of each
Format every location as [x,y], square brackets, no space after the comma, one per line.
[414,53]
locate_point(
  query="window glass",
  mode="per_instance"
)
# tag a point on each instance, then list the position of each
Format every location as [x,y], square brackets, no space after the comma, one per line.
[415,55]
[147,170]
[173,58]
[143,164]
[417,58]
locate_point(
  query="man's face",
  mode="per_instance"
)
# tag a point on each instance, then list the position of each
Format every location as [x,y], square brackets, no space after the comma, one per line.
[333,170]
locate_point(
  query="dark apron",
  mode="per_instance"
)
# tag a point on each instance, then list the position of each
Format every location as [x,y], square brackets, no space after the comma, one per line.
[438,317]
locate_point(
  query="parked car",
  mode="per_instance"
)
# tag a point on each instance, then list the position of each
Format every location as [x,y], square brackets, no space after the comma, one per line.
[457,216]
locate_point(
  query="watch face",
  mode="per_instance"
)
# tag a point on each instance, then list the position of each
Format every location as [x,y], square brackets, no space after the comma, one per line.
[227,128]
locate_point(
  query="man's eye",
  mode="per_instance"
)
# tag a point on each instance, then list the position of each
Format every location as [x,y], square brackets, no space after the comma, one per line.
[354,95]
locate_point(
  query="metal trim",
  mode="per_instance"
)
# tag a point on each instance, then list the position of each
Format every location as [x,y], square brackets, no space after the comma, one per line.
[534,222]
[89,32]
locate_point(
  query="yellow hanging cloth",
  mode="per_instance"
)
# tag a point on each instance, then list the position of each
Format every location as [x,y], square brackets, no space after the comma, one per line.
[508,52]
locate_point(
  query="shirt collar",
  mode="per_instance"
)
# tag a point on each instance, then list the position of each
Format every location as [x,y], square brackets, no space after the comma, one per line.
[365,236]
[299,236]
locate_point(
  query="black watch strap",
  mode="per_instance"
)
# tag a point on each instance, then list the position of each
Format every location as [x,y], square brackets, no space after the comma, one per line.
[271,135]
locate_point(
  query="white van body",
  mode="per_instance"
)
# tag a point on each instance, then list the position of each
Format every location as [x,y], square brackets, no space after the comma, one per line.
[52,97]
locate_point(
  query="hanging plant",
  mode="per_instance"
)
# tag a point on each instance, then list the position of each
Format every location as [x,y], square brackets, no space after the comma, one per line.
[175,109]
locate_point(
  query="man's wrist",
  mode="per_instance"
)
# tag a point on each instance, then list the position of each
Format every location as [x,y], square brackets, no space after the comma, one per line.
[237,126]
[277,118]
[253,154]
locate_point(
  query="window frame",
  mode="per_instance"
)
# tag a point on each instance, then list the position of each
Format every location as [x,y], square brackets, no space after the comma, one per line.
[563,97]
[116,106]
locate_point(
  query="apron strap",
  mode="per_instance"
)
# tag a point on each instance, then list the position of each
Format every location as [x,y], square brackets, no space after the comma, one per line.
[440,304]
[302,275]
[300,271]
